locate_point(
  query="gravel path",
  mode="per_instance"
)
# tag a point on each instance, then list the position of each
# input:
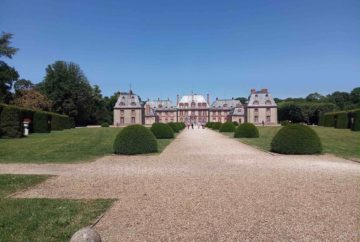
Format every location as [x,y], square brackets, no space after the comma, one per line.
[208,187]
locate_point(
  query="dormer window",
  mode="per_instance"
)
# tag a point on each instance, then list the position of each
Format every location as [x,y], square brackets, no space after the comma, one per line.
[256,102]
[122,104]
[225,105]
[268,102]
[133,104]
[193,104]
[160,106]
[256,96]
[123,97]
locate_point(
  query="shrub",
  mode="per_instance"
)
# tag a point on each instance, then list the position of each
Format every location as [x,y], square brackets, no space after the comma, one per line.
[60,122]
[216,125]
[41,122]
[356,123]
[105,125]
[296,139]
[181,125]
[10,122]
[236,123]
[329,120]
[162,131]
[227,127]
[321,120]
[176,127]
[285,122]
[209,124]
[135,139]
[342,121]
[246,130]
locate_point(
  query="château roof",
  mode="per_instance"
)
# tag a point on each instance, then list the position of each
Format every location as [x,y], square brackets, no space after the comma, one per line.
[194,98]
[260,98]
[128,100]
[160,104]
[225,104]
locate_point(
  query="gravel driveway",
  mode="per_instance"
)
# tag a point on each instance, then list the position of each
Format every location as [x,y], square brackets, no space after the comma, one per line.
[208,187]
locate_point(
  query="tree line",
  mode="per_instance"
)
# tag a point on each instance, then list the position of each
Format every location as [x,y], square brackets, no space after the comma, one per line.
[65,90]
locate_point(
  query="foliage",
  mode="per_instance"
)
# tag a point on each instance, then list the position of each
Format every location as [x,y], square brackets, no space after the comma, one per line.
[285,122]
[175,127]
[356,124]
[5,48]
[135,139]
[246,130]
[329,120]
[32,99]
[162,131]
[10,122]
[23,85]
[41,122]
[99,113]
[60,122]
[227,127]
[321,120]
[296,139]
[209,124]
[342,121]
[8,76]
[105,125]
[216,125]
[69,90]
[236,123]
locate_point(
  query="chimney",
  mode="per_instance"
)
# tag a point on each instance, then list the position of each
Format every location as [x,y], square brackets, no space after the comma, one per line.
[264,90]
[217,99]
[208,98]
[158,99]
[147,109]
[253,91]
[177,99]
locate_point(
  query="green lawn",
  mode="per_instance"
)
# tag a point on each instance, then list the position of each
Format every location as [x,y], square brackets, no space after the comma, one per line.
[341,142]
[68,146]
[42,219]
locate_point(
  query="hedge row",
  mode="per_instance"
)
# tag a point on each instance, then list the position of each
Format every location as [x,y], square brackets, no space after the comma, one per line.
[341,120]
[41,122]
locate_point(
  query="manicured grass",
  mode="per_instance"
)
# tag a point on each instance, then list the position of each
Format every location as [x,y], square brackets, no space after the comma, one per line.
[341,142]
[12,183]
[42,219]
[68,146]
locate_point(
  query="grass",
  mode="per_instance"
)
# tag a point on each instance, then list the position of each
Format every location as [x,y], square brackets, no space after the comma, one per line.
[68,146]
[42,219]
[340,142]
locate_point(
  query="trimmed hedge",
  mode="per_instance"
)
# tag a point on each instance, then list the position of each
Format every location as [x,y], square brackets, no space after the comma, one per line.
[209,124]
[175,127]
[60,122]
[236,123]
[329,120]
[246,130]
[41,122]
[216,125]
[356,124]
[135,139]
[10,122]
[296,139]
[105,125]
[162,131]
[321,120]
[227,127]
[342,121]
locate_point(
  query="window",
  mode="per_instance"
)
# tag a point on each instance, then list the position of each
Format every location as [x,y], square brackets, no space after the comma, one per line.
[122,112]
[132,112]
[160,106]
[256,102]
[225,105]
[133,104]
[122,120]
[268,119]
[268,102]
[256,119]
[193,104]
[122,104]
[256,110]
[132,120]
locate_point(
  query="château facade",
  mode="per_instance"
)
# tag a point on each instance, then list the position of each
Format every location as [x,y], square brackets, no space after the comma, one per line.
[259,109]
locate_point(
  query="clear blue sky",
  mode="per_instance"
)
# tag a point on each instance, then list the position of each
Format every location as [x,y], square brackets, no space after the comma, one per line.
[165,47]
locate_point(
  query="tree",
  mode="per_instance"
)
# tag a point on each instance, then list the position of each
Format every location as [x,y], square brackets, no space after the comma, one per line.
[340,99]
[8,75]
[69,91]
[99,113]
[32,99]
[243,100]
[22,85]
[314,97]
[5,48]
[355,95]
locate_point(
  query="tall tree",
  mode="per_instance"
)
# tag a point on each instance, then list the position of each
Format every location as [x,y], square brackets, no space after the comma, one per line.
[23,85]
[69,90]
[5,48]
[8,75]
[32,99]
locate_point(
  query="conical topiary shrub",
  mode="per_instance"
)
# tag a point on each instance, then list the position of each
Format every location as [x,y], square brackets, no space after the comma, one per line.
[135,139]
[296,139]
[162,131]
[227,127]
[246,130]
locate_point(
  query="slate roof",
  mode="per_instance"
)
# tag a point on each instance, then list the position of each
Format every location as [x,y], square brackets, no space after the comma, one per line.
[128,100]
[225,104]
[192,98]
[261,98]
[161,104]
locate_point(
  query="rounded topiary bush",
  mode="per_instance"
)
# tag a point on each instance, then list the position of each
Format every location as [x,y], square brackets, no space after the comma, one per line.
[162,131]
[342,121]
[227,127]
[175,127]
[246,130]
[135,139]
[209,124]
[236,123]
[216,125]
[296,139]
[105,125]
